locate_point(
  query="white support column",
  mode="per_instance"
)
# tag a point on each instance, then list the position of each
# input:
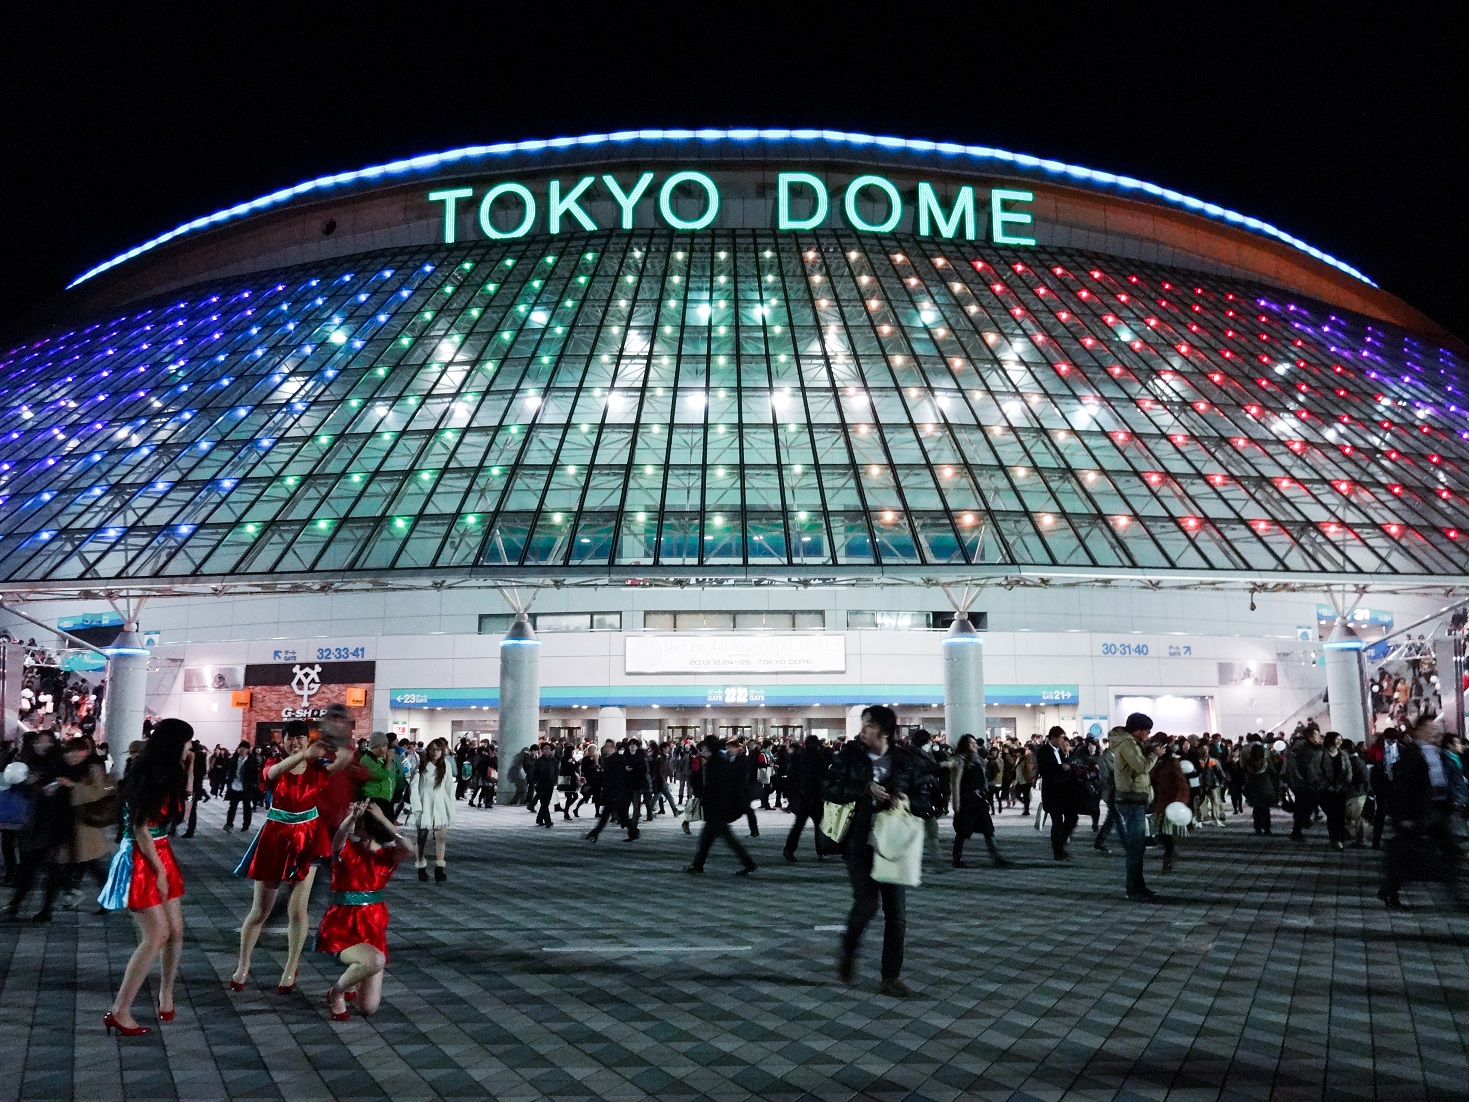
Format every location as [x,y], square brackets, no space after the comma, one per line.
[963,681]
[1346,688]
[854,720]
[124,706]
[611,724]
[520,690]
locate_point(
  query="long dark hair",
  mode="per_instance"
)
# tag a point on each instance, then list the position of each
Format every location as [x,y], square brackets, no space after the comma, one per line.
[443,745]
[155,783]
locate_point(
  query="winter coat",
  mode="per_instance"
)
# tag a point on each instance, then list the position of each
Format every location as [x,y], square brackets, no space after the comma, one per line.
[1170,784]
[912,775]
[89,842]
[1261,785]
[430,803]
[1331,773]
[1132,767]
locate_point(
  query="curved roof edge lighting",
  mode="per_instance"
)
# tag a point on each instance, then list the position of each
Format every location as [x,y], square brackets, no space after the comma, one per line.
[431,161]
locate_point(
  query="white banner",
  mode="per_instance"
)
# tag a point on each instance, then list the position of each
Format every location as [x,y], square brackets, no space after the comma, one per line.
[737,653]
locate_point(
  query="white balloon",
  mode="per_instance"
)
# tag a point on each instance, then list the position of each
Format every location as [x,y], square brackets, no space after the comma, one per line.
[16,773]
[1178,814]
[1187,766]
[1279,746]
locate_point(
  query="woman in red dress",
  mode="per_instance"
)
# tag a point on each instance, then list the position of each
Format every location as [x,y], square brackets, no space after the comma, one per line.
[366,851]
[286,850]
[144,876]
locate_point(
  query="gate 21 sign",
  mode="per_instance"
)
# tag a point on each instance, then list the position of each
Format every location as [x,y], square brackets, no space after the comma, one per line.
[510,209]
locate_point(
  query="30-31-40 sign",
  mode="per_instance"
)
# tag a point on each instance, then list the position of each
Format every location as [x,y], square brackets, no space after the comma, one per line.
[690,200]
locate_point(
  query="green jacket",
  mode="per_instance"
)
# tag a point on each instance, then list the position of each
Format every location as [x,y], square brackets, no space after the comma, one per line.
[380,780]
[1132,765]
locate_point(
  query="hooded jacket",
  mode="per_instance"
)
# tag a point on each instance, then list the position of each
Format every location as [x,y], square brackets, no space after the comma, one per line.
[1132,767]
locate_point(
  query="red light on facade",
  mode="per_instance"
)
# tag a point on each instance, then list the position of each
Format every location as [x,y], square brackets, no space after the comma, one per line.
[1062,369]
[1435,459]
[1136,346]
[1260,525]
[1120,437]
[1182,349]
[1202,407]
[1341,485]
[1153,478]
[1132,279]
[1394,488]
[997,288]
[1393,530]
[1057,271]
[1445,494]
[1145,403]
[1340,393]
[1385,424]
[1424,429]
[1151,323]
[1338,369]
[1123,298]
[1167,286]
[1452,533]
[1239,442]
[1281,483]
[1331,528]
[1110,319]
[1178,439]
[978,265]
[1095,274]
[1303,388]
[1253,411]
[1216,479]
[1115,370]
[1394,456]
[1018,267]
[1192,524]
[1216,377]
[1087,342]
[1297,446]
[1228,355]
[1347,449]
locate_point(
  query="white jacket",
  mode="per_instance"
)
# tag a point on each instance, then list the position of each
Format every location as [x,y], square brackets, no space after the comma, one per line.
[430,805]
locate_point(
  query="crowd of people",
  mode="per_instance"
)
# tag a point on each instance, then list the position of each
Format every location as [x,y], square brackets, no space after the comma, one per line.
[358,807]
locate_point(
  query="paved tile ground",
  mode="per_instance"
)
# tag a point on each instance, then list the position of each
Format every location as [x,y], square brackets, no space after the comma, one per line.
[550,968]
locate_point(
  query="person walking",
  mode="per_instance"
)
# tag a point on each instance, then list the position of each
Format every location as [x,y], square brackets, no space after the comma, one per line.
[617,791]
[1355,826]
[1261,785]
[241,786]
[872,773]
[199,764]
[1132,765]
[724,789]
[969,791]
[1300,775]
[144,877]
[1058,791]
[1422,845]
[1331,775]
[431,806]
[1382,761]
[806,769]
[44,841]
[1170,786]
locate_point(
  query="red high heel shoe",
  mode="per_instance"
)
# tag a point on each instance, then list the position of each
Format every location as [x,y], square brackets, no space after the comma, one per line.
[351,995]
[235,985]
[110,1022]
[344,1016]
[286,988]
[166,1015]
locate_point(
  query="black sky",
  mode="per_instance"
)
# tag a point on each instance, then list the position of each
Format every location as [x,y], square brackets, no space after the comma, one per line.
[1345,127]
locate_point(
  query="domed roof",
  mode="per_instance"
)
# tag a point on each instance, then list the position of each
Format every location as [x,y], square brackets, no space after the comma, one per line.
[738,403]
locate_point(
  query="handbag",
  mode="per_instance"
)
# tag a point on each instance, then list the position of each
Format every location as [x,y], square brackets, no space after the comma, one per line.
[693,810]
[16,808]
[101,813]
[835,819]
[897,846]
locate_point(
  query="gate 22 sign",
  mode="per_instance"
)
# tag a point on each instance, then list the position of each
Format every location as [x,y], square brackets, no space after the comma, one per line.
[510,209]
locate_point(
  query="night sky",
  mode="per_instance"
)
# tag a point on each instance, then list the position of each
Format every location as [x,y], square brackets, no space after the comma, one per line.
[1345,128]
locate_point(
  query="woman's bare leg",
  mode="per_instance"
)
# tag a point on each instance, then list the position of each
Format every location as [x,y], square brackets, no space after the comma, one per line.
[152,935]
[260,908]
[173,949]
[299,924]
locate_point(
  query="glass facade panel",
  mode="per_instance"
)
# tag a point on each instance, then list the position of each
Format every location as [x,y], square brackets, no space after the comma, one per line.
[732,400]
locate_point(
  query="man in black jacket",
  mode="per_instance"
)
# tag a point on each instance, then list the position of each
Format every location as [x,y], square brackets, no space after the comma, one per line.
[618,787]
[1059,791]
[805,770]
[540,776]
[1423,845]
[723,798]
[241,785]
[872,773]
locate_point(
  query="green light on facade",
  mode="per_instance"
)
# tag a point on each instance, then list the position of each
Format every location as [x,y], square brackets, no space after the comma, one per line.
[999,216]
[820,203]
[528,217]
[558,205]
[628,201]
[895,204]
[450,199]
[665,200]
[929,207]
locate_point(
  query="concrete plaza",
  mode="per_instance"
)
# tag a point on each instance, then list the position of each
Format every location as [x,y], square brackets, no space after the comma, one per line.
[551,968]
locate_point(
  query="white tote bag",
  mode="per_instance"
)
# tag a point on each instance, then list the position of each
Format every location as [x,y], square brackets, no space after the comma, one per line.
[897,847]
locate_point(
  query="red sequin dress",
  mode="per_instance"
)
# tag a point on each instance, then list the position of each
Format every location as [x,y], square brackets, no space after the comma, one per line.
[143,887]
[357,913]
[293,835]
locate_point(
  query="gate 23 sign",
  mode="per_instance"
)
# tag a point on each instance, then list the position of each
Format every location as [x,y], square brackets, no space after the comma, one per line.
[510,209]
